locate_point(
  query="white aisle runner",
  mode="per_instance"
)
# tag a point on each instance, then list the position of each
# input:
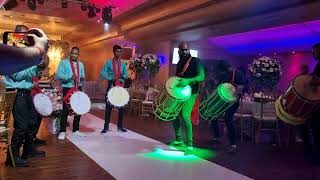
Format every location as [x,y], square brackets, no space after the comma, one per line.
[124,156]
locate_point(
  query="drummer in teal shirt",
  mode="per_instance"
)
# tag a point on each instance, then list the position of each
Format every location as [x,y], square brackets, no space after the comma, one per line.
[64,73]
[108,73]
[24,114]
[68,78]
[22,79]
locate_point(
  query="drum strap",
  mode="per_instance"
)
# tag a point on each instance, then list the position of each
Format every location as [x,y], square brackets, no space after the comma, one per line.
[185,67]
[76,82]
[117,72]
[36,89]
[68,95]
[70,92]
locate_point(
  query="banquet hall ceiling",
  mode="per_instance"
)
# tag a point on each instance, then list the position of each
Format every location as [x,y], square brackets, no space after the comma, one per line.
[163,19]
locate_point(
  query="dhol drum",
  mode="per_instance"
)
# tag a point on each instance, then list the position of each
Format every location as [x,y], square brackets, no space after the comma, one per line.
[218,102]
[298,102]
[43,104]
[78,101]
[118,96]
[168,104]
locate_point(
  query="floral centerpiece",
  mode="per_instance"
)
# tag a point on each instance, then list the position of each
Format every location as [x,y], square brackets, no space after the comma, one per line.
[148,63]
[146,66]
[55,95]
[265,73]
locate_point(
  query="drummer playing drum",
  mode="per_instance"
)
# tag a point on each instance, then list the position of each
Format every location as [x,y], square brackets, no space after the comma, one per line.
[115,72]
[313,121]
[192,73]
[71,74]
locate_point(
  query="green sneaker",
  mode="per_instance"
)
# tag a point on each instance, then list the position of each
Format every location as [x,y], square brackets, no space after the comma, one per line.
[188,150]
[177,143]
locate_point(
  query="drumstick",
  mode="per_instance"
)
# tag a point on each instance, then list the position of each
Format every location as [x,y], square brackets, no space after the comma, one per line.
[233,75]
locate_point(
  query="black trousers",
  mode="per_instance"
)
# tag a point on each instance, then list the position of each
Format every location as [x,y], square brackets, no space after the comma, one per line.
[25,115]
[37,125]
[65,113]
[228,118]
[314,124]
[107,116]
[109,107]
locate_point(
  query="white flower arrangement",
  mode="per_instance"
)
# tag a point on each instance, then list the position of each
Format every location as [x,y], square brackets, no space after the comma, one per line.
[265,72]
[146,63]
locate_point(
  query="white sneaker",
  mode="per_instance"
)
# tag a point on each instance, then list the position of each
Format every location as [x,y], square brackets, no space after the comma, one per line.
[62,136]
[80,134]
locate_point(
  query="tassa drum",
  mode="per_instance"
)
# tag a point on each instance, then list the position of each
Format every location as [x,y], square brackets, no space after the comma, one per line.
[299,101]
[168,104]
[218,102]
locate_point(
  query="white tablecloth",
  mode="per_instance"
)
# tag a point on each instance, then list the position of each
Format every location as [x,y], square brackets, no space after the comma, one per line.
[254,108]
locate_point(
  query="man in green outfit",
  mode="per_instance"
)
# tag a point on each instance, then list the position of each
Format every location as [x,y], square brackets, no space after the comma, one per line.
[191,72]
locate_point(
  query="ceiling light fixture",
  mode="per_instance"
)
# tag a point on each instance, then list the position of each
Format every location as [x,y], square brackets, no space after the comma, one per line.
[40,1]
[64,3]
[91,12]
[32,5]
[84,7]
[107,15]
[10,4]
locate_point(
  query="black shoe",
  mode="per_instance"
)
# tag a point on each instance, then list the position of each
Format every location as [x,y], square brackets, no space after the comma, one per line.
[122,130]
[18,162]
[34,154]
[39,141]
[233,150]
[216,141]
[104,130]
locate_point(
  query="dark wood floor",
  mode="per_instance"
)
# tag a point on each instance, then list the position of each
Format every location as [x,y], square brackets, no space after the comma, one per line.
[63,161]
[258,161]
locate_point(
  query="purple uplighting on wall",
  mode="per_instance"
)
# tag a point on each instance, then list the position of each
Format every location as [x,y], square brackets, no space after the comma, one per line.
[289,38]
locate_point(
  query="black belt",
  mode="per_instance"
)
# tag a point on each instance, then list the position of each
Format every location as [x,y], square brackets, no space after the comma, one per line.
[19,90]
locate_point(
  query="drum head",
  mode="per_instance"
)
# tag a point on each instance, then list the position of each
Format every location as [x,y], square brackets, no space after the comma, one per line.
[80,103]
[302,86]
[118,96]
[228,92]
[179,93]
[43,104]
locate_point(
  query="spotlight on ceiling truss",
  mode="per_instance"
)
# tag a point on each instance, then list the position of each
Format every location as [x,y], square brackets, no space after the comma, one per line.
[84,7]
[91,12]
[64,3]
[32,5]
[40,1]
[10,4]
[107,15]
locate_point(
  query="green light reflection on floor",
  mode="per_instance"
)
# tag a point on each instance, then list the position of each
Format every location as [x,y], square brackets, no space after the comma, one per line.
[177,154]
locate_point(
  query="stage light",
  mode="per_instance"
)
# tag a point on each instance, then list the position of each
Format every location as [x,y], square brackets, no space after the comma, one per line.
[107,15]
[91,12]
[40,1]
[84,7]
[32,5]
[64,3]
[10,4]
